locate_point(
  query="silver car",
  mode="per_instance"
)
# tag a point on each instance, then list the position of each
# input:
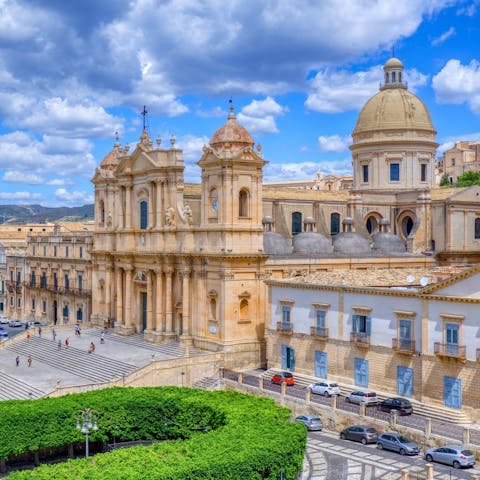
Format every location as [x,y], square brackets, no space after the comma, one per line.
[456,455]
[324,388]
[362,398]
[312,422]
[397,443]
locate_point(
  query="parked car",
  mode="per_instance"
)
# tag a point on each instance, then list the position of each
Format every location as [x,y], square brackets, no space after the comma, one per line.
[37,324]
[4,335]
[312,422]
[4,320]
[15,323]
[359,433]
[402,405]
[325,388]
[362,398]
[283,377]
[456,455]
[397,443]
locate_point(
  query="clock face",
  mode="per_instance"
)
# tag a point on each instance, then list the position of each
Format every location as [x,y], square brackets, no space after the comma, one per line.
[215,204]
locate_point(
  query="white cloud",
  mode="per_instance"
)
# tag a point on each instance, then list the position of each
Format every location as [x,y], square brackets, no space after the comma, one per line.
[60,181]
[457,84]
[69,198]
[303,149]
[304,170]
[258,117]
[192,151]
[22,197]
[22,177]
[334,143]
[445,36]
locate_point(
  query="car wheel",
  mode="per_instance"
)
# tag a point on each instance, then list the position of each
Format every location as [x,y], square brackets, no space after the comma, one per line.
[456,464]
[347,399]
[429,458]
[326,394]
[364,441]
[379,446]
[402,451]
[342,436]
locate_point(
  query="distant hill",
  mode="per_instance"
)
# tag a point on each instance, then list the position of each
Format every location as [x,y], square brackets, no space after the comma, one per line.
[21,214]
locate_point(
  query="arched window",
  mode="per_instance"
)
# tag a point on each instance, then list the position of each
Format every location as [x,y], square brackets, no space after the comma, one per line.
[407,225]
[244,309]
[296,223]
[213,309]
[79,314]
[477,228]
[65,312]
[213,202]
[372,224]
[143,215]
[334,223]
[393,77]
[387,78]
[243,203]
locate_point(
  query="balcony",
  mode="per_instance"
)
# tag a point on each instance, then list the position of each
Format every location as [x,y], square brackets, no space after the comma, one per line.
[285,327]
[451,350]
[403,345]
[319,332]
[360,339]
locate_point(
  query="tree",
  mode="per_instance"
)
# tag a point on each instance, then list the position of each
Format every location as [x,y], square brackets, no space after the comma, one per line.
[468,179]
[445,180]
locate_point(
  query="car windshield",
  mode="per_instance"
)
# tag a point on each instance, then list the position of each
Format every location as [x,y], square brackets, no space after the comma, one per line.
[287,375]
[371,430]
[403,439]
[314,419]
[334,385]
[467,453]
[371,394]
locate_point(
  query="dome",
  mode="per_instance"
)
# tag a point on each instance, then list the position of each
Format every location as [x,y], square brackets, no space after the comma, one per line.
[394,109]
[393,62]
[351,243]
[388,243]
[110,161]
[275,244]
[231,135]
[311,243]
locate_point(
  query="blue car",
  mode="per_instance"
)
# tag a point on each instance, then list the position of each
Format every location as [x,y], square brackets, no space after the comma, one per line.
[397,443]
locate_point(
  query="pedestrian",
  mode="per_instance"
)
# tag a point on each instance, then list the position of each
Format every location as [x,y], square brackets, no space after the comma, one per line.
[54,335]
[59,344]
[91,348]
[67,343]
[28,335]
[76,329]
[17,361]
[29,360]
[102,337]
[40,332]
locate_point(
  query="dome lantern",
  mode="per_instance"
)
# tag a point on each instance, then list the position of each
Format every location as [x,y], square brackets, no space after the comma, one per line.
[393,73]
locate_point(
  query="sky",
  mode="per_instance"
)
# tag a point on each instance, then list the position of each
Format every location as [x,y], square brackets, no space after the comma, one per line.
[75,72]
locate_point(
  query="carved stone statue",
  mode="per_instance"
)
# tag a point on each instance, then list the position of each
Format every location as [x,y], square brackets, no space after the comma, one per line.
[170,216]
[188,214]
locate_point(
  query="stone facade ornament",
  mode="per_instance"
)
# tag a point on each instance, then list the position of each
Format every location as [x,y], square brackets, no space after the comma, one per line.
[170,216]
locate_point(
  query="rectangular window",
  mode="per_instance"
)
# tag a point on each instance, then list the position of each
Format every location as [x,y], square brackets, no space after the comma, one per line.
[19,303]
[80,252]
[404,381]
[54,250]
[11,301]
[321,364]
[33,250]
[453,162]
[3,287]
[33,304]
[11,275]
[286,314]
[55,280]
[66,251]
[143,215]
[452,392]
[365,173]
[80,282]
[361,372]
[477,228]
[394,172]
[423,172]
[44,251]
[451,338]
[43,280]
[44,306]
[66,282]
[19,278]
[33,279]
[405,334]
[361,324]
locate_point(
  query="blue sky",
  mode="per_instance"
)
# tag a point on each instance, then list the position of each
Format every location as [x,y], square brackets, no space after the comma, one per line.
[72,73]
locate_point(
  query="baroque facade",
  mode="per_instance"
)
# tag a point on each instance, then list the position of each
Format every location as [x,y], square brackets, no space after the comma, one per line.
[463,157]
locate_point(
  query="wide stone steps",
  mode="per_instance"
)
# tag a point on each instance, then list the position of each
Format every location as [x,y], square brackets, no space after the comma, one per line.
[13,389]
[90,366]
[207,383]
[171,348]
[432,411]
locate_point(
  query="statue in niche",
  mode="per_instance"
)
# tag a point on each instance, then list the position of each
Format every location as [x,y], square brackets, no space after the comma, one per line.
[170,216]
[187,211]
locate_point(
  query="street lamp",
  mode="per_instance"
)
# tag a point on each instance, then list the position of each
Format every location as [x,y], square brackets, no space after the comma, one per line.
[86,421]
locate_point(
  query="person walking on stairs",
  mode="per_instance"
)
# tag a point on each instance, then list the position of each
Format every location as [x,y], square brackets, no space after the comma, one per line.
[17,361]
[29,360]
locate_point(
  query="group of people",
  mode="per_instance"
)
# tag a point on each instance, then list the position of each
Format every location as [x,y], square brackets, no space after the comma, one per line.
[29,361]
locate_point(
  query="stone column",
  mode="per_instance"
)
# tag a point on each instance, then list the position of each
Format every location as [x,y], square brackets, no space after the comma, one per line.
[168,300]
[128,207]
[151,205]
[128,297]
[186,327]
[159,203]
[108,286]
[120,318]
[118,209]
[159,320]
[149,300]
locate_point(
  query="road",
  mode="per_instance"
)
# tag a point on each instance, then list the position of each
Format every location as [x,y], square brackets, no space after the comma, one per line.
[330,458]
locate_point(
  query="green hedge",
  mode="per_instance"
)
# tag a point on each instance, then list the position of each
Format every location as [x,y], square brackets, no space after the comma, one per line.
[208,435]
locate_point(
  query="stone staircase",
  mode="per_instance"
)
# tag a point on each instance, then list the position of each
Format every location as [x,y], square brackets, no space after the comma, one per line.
[172,348]
[93,367]
[207,383]
[13,389]
[440,413]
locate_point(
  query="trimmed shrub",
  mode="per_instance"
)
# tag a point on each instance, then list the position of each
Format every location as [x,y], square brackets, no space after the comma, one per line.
[206,435]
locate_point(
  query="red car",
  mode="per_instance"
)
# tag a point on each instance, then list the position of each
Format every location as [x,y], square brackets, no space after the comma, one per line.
[283,377]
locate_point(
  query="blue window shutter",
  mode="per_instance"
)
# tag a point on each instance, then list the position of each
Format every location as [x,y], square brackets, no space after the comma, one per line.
[361,372]
[355,323]
[291,365]
[368,325]
[321,364]
[284,356]
[143,215]
[404,381]
[452,392]
[321,318]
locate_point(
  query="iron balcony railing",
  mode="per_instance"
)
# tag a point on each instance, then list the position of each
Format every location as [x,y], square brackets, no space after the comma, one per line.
[319,332]
[284,327]
[360,338]
[451,350]
[403,345]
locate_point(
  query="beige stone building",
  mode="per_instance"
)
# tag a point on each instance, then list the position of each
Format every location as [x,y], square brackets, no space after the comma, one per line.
[182,261]
[463,157]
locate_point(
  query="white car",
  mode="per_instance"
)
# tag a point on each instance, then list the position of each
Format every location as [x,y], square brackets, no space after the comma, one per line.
[362,398]
[325,388]
[15,323]
[4,320]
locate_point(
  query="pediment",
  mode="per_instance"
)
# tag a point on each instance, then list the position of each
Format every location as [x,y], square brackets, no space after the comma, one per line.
[138,162]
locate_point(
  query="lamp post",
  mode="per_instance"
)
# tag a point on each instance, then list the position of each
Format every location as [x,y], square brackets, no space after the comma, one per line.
[86,421]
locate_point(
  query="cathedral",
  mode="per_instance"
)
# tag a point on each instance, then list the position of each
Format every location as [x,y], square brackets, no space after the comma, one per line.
[191,261]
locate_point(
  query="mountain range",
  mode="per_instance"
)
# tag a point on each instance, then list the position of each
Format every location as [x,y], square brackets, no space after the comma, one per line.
[21,214]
